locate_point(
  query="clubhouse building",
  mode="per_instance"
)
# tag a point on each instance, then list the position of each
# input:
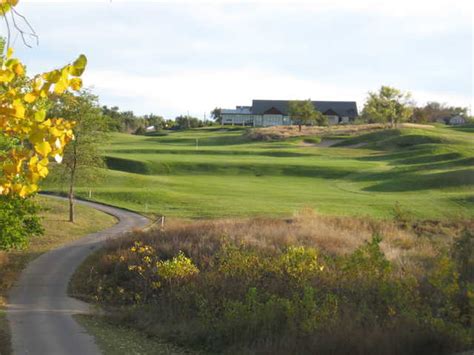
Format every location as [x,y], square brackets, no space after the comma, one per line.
[264,113]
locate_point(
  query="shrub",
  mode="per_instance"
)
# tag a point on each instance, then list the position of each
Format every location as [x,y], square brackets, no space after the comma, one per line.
[249,293]
[18,222]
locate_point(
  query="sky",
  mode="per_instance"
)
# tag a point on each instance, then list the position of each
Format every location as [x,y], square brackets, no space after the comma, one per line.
[175,57]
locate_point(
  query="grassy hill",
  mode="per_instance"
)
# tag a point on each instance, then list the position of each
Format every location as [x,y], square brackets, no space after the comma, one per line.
[216,172]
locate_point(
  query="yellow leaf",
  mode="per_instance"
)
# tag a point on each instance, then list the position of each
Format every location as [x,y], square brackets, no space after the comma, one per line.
[30,97]
[75,84]
[19,69]
[42,171]
[60,87]
[43,148]
[40,115]
[19,109]
[9,53]
[6,76]
[79,65]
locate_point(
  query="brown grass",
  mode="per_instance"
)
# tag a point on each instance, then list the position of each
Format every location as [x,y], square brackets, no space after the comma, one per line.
[333,235]
[361,324]
[283,132]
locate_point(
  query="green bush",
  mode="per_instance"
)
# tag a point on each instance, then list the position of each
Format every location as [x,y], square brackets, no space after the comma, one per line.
[18,221]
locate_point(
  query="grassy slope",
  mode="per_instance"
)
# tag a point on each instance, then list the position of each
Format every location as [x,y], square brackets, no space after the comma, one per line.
[57,231]
[428,171]
[114,339]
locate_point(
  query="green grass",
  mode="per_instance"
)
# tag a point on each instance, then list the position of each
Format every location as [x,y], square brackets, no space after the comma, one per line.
[115,339]
[58,231]
[221,173]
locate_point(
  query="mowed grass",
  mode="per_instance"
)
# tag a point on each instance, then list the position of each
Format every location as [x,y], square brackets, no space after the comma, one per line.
[58,231]
[214,172]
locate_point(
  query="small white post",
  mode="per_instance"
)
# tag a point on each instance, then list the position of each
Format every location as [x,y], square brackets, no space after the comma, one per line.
[90,193]
[146,207]
[197,143]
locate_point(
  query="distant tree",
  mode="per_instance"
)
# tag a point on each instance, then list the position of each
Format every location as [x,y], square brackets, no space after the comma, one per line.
[419,115]
[82,156]
[435,111]
[140,131]
[216,114]
[320,119]
[304,113]
[186,122]
[122,121]
[153,120]
[113,118]
[169,124]
[389,105]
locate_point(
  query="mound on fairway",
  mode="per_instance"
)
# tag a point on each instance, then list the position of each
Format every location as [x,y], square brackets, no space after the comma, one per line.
[217,173]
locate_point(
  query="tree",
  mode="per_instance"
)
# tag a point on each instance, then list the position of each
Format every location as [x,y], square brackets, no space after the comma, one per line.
[186,122]
[18,222]
[153,120]
[28,139]
[216,114]
[434,111]
[304,112]
[419,115]
[32,138]
[389,105]
[82,157]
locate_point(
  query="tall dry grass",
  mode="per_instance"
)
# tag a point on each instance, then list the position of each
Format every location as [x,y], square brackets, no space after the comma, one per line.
[283,132]
[306,284]
[333,235]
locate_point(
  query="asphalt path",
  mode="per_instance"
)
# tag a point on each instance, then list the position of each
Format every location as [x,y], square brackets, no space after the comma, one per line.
[40,311]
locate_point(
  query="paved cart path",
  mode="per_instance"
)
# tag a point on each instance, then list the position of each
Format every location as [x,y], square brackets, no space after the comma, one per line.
[40,311]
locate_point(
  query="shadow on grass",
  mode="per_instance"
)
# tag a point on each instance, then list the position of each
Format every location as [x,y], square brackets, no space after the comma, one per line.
[413,182]
[197,152]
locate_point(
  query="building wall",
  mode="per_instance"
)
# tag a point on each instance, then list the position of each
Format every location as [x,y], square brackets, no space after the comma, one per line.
[269,120]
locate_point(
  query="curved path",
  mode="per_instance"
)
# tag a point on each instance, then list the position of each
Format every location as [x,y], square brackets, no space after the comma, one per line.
[40,311]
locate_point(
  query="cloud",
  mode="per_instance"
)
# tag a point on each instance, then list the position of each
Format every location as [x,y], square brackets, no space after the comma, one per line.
[198,92]
[171,56]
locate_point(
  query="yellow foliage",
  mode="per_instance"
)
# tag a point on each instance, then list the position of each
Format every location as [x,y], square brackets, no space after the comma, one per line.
[23,120]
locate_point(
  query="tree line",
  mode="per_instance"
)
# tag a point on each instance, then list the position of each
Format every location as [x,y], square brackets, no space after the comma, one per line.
[129,122]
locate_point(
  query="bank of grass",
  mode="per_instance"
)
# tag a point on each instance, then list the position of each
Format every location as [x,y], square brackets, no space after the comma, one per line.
[58,231]
[305,284]
[116,339]
[215,172]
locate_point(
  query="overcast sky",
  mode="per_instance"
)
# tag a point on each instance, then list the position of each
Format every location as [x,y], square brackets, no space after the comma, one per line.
[174,57]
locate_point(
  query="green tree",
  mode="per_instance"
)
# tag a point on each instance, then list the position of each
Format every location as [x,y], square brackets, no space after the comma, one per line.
[304,113]
[18,221]
[216,114]
[389,105]
[419,115]
[82,157]
[186,122]
[153,120]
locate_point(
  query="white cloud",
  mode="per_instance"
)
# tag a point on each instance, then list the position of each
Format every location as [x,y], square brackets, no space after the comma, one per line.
[197,92]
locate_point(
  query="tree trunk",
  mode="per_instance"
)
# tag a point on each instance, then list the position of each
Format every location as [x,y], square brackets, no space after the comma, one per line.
[71,185]
[71,204]
[299,127]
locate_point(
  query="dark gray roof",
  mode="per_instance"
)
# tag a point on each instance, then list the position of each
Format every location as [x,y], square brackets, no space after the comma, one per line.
[343,108]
